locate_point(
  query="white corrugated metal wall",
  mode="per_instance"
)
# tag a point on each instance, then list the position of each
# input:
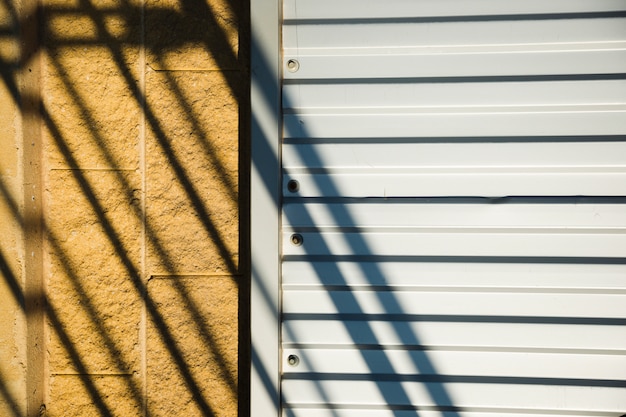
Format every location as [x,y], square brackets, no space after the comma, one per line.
[454,174]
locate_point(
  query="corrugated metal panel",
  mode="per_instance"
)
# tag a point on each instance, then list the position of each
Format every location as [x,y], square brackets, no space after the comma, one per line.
[454,209]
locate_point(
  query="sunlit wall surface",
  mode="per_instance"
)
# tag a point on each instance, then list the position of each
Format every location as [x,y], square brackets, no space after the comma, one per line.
[120,194]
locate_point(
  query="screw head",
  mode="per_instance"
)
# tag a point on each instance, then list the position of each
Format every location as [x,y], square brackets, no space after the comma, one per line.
[293,65]
[293,186]
[293,360]
[297,239]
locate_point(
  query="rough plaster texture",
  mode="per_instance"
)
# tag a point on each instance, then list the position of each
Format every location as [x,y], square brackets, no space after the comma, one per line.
[90,84]
[192,35]
[9,48]
[94,116]
[104,395]
[140,169]
[12,356]
[90,288]
[141,204]
[12,318]
[192,346]
[191,173]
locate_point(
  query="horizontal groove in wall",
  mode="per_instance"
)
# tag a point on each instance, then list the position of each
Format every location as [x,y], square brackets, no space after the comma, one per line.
[461,318]
[96,169]
[448,19]
[456,379]
[566,230]
[92,374]
[457,79]
[455,140]
[397,410]
[477,289]
[183,275]
[574,260]
[450,348]
[451,200]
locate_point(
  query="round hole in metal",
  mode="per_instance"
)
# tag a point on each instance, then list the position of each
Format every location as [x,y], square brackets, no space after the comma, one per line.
[293,186]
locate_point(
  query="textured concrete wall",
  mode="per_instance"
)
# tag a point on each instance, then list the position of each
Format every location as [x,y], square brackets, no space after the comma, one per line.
[140,170]
[12,316]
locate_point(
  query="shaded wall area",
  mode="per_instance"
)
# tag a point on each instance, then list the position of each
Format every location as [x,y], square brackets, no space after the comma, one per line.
[123,183]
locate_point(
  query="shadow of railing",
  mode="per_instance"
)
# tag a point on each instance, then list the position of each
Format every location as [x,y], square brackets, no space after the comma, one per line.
[393,393]
[344,306]
[132,261]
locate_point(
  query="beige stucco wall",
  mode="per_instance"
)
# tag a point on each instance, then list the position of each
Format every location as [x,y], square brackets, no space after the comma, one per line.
[139,171]
[12,316]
